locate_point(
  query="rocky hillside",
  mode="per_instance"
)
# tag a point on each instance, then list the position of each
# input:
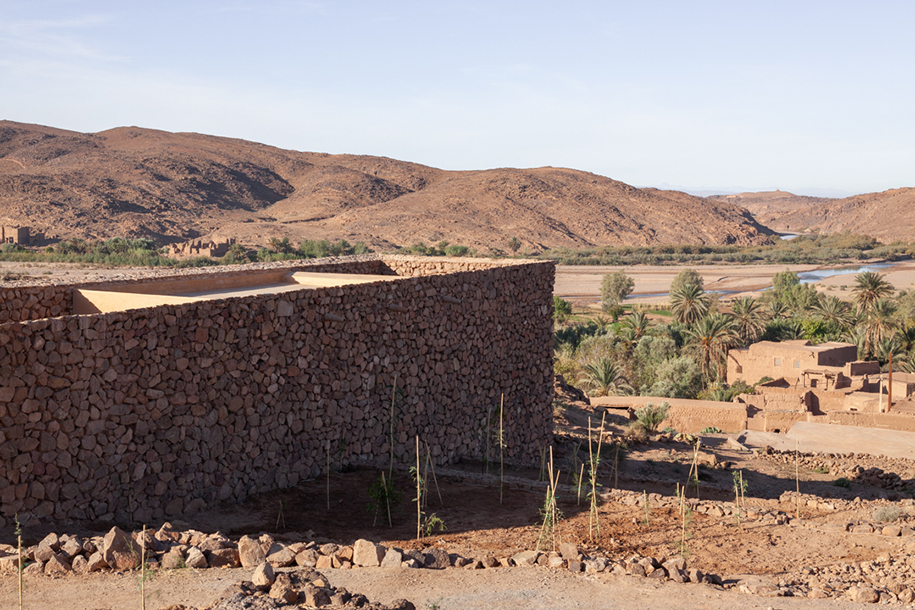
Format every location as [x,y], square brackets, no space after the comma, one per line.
[136,182]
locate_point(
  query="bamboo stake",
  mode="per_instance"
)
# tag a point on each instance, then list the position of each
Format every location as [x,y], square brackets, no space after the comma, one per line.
[580,477]
[143,570]
[393,398]
[419,494]
[431,465]
[501,447]
[327,470]
[387,498]
[797,476]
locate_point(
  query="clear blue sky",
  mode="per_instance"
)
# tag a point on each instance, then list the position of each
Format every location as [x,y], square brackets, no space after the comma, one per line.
[701,95]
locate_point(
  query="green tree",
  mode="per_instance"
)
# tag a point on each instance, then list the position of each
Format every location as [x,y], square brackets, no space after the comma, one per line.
[709,340]
[678,377]
[280,246]
[689,304]
[514,244]
[687,277]
[869,288]
[614,288]
[562,309]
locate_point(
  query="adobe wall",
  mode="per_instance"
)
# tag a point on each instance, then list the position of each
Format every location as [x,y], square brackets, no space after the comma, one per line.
[685,415]
[888,421]
[777,399]
[144,414]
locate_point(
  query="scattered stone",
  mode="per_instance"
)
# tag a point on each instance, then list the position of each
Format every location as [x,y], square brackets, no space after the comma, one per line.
[57,564]
[224,558]
[569,551]
[282,589]
[173,560]
[863,595]
[526,558]
[307,558]
[97,562]
[436,559]
[263,576]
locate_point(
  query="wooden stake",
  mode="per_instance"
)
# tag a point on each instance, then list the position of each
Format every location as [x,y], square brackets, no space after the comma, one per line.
[889,386]
[327,470]
[580,477]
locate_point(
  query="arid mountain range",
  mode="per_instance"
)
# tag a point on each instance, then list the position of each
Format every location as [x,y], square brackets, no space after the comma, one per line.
[134,182]
[888,215]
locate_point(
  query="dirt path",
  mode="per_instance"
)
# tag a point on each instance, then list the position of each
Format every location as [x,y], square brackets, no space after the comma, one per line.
[495,589]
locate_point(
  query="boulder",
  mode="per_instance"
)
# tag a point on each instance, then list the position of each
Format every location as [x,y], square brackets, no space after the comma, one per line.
[282,589]
[196,559]
[569,551]
[173,560]
[97,562]
[863,595]
[436,559]
[280,556]
[367,554]
[393,558]
[119,550]
[250,552]
[224,558]
[79,564]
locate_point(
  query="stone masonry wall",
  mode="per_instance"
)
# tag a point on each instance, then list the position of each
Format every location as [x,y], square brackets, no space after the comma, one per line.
[143,414]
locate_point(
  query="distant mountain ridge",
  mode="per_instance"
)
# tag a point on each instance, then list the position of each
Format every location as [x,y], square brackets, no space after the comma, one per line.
[136,182]
[887,216]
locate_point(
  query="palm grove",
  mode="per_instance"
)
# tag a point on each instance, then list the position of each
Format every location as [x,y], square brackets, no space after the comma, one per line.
[684,356]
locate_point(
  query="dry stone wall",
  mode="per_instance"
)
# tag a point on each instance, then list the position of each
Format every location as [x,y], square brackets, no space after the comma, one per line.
[142,414]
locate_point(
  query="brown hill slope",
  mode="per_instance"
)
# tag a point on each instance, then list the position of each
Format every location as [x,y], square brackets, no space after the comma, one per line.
[888,215]
[174,186]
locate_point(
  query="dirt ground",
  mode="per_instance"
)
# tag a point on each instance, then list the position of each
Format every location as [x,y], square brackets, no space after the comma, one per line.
[581,284]
[479,524]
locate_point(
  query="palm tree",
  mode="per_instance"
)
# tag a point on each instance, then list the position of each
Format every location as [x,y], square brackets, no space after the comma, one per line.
[689,303]
[749,320]
[709,339]
[834,310]
[869,288]
[639,323]
[778,310]
[891,344]
[879,323]
[606,377]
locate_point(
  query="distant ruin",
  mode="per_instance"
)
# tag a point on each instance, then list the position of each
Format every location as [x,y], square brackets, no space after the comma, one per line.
[15,235]
[136,400]
[200,248]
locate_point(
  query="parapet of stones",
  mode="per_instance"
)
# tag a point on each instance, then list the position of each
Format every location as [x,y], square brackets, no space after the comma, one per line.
[163,409]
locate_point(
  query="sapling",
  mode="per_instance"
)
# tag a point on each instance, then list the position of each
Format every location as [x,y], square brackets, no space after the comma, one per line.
[419,494]
[550,511]
[646,509]
[19,565]
[501,447]
[594,457]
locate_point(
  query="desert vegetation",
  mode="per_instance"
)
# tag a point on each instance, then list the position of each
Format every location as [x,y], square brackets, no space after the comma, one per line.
[803,249]
[679,351]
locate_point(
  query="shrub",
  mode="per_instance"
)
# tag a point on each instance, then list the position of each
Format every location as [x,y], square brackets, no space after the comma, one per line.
[562,309]
[651,416]
[887,514]
[614,288]
[842,482]
[711,430]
